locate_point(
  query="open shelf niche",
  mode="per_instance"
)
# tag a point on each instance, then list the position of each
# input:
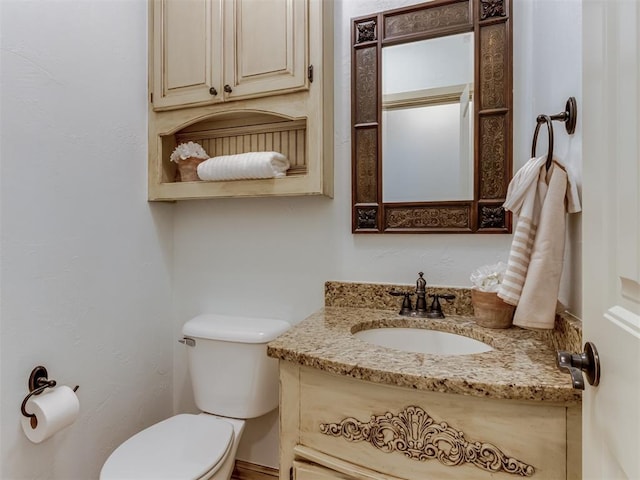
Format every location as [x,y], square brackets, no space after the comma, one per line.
[231,133]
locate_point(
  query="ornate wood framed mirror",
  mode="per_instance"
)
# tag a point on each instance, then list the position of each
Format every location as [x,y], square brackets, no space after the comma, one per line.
[432,118]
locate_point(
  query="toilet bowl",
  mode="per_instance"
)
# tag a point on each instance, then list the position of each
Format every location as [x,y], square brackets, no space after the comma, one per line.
[245,385]
[185,446]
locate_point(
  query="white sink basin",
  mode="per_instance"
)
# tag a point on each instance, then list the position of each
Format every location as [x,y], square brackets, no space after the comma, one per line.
[421,340]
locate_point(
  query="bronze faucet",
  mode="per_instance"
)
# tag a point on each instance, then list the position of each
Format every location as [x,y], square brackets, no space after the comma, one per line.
[435,309]
[421,292]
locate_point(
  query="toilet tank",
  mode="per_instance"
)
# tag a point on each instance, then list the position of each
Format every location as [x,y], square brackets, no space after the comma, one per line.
[230,372]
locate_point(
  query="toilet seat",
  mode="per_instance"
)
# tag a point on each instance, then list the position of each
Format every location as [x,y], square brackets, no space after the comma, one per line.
[183,447]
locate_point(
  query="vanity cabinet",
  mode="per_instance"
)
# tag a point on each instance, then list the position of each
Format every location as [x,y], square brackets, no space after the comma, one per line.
[338,427]
[212,51]
[240,76]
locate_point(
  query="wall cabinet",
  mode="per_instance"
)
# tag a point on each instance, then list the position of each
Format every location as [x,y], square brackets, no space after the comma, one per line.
[211,51]
[240,76]
[335,427]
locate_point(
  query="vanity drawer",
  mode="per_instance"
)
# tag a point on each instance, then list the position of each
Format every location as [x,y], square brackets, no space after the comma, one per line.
[310,471]
[415,434]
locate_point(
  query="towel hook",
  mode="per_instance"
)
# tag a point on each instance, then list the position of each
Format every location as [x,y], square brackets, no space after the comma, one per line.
[568,116]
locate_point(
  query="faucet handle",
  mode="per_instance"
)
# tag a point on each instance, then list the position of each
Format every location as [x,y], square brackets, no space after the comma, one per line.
[406,303]
[397,293]
[435,310]
[444,296]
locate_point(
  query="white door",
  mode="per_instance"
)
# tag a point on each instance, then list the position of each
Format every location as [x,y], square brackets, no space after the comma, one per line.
[611,236]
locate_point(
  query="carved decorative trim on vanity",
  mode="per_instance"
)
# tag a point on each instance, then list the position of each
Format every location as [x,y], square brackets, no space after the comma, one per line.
[416,434]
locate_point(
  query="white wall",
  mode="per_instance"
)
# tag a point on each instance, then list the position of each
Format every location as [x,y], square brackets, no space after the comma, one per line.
[552,50]
[85,260]
[271,256]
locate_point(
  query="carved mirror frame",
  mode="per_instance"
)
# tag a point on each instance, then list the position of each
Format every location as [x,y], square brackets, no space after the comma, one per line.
[490,20]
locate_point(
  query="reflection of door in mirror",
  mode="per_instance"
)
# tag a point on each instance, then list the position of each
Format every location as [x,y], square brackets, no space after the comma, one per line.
[427,120]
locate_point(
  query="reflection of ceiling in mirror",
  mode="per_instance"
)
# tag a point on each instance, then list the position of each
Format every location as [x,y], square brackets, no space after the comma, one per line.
[443,61]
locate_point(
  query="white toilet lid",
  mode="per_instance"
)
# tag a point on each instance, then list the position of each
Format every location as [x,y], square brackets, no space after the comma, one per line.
[183,447]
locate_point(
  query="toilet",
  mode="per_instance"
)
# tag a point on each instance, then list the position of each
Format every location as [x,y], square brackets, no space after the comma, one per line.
[232,379]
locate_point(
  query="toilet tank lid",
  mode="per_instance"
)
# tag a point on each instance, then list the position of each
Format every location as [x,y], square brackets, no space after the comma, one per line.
[230,328]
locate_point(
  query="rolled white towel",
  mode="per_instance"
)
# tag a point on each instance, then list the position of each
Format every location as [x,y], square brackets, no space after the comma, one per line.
[244,166]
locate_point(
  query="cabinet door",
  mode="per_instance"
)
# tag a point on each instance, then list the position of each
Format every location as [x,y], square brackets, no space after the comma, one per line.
[186,49]
[265,47]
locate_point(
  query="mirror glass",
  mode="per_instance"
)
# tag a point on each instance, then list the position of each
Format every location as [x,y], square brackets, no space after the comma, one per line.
[427,120]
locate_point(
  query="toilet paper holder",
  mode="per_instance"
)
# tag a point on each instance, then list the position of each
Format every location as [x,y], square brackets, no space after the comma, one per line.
[38,383]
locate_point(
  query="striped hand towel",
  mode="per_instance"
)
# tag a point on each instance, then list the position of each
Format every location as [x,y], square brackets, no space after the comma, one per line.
[524,198]
[544,242]
[539,297]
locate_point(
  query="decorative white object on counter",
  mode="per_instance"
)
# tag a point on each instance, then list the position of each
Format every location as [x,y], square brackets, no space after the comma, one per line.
[244,166]
[188,156]
[488,277]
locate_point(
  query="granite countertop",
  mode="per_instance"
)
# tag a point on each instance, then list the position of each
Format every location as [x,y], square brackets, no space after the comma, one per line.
[521,365]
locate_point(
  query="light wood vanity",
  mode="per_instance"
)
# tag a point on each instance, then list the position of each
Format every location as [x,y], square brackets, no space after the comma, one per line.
[352,410]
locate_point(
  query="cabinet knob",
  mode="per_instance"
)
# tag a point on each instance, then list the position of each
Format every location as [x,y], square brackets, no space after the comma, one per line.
[213,91]
[227,89]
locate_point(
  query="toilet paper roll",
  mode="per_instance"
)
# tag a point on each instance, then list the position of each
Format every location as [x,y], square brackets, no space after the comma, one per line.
[54,409]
